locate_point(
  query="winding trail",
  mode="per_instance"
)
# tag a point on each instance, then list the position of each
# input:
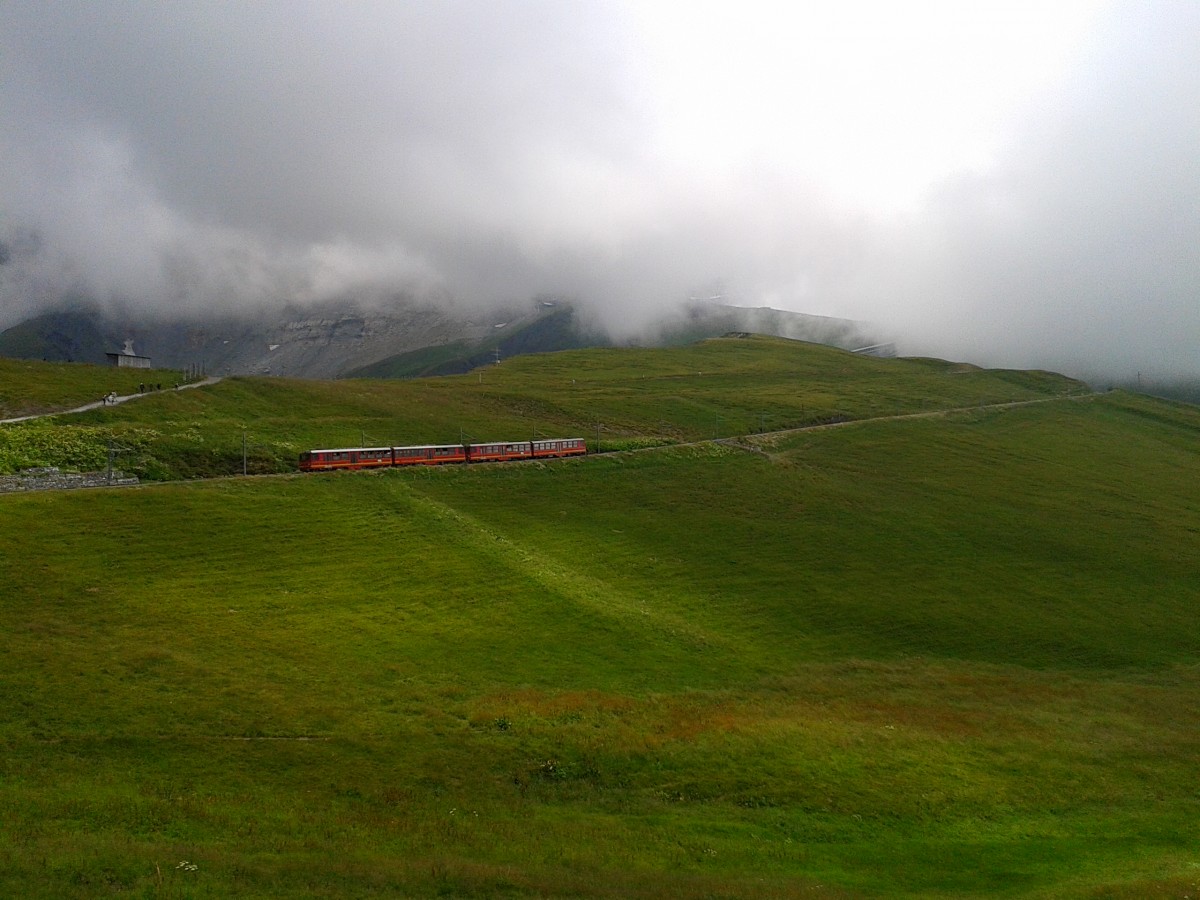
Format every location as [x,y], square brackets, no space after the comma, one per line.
[100,404]
[928,414]
[745,441]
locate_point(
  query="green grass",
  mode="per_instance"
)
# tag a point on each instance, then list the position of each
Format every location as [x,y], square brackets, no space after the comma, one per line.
[930,657]
[614,398]
[28,387]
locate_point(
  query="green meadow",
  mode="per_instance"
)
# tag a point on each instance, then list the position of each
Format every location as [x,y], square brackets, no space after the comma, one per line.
[28,387]
[942,656]
[617,399]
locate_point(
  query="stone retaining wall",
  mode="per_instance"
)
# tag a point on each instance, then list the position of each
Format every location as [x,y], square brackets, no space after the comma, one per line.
[51,479]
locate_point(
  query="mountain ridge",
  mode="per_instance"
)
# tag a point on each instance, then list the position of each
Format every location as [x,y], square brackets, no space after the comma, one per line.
[338,340]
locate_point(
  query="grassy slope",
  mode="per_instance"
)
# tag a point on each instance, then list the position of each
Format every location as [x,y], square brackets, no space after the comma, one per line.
[552,331]
[28,387]
[928,657]
[724,386]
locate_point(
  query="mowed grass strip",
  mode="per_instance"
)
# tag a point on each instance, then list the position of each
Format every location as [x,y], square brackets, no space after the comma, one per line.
[833,669]
[1040,535]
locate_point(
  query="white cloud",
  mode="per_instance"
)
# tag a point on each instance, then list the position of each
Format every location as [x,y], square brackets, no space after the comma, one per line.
[1001,180]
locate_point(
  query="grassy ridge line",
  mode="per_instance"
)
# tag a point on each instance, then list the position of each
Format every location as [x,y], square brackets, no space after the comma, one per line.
[721,387]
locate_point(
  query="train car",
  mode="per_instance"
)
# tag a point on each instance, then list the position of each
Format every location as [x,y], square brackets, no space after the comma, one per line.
[345,458]
[559,447]
[500,452]
[438,454]
[430,455]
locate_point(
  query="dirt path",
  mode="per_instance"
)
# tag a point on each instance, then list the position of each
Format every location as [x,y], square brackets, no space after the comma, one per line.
[740,441]
[115,401]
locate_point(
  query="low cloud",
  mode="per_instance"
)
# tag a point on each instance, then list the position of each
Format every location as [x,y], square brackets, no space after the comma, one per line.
[207,159]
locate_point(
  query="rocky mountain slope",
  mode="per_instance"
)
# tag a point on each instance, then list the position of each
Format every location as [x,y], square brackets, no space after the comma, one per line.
[338,340]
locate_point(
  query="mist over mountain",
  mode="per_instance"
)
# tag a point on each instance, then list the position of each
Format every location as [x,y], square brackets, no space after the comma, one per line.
[331,340]
[1009,183]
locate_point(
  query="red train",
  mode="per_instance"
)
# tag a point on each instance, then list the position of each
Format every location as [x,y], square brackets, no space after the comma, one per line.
[436,454]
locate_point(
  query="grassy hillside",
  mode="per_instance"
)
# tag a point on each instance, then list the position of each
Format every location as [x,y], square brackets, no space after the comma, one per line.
[616,398]
[28,387]
[929,657]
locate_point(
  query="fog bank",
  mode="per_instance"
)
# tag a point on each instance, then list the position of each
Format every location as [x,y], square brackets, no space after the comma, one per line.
[1007,184]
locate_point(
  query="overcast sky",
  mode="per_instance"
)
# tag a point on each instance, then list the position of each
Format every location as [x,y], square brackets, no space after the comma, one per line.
[1012,183]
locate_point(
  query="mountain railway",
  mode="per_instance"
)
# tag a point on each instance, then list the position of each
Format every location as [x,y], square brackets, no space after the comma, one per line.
[439,454]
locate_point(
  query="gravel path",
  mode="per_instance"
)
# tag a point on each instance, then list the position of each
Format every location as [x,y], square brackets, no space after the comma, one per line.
[116,401]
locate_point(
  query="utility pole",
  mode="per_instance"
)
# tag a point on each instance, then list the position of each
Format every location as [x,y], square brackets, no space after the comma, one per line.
[113,450]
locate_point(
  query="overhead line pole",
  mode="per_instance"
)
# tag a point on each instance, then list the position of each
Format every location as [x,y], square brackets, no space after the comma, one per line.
[113,450]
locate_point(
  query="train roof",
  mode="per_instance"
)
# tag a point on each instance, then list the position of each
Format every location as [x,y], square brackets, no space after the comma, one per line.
[437,446]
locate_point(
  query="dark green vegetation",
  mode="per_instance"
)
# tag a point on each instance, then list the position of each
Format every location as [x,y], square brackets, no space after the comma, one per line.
[557,330]
[620,398]
[933,657]
[57,336]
